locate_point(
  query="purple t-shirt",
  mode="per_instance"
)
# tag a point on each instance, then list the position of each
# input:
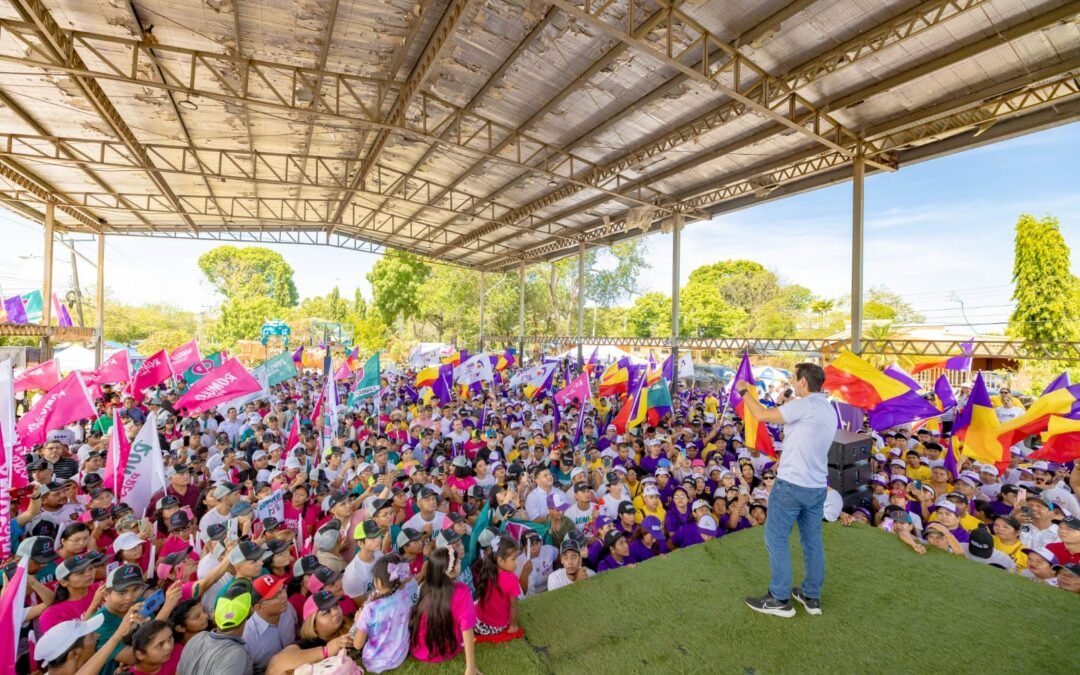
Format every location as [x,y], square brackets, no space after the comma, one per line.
[386,622]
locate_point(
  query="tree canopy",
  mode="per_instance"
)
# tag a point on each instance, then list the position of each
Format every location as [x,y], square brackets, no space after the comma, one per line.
[248,272]
[1046,293]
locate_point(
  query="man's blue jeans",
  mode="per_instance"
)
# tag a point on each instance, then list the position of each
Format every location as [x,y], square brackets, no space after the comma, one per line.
[790,504]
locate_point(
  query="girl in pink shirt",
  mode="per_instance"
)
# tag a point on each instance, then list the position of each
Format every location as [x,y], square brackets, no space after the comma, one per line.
[460,482]
[442,620]
[497,590]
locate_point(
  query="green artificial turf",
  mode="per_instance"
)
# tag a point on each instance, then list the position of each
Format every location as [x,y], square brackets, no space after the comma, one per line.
[886,610]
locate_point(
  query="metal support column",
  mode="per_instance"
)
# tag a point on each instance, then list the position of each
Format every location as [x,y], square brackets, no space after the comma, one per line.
[99,305]
[676,242]
[521,313]
[480,339]
[46,283]
[858,171]
[580,306]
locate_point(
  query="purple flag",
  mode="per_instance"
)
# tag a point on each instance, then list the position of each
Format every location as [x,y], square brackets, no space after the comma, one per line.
[410,391]
[1060,382]
[65,317]
[444,383]
[16,310]
[950,459]
[897,373]
[669,369]
[298,355]
[945,393]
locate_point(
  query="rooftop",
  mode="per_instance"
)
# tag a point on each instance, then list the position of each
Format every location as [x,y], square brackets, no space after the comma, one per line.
[489,133]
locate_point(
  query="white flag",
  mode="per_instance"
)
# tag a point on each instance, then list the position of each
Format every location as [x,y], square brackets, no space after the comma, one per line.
[476,369]
[144,474]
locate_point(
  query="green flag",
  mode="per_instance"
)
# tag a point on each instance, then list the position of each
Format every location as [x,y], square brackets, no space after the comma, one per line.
[279,368]
[659,398]
[32,300]
[367,381]
[199,370]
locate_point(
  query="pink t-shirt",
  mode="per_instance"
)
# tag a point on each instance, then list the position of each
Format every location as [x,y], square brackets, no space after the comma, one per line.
[169,667]
[461,607]
[462,485]
[67,610]
[494,609]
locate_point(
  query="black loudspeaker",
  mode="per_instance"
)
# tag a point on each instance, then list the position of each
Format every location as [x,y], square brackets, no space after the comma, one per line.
[849,464]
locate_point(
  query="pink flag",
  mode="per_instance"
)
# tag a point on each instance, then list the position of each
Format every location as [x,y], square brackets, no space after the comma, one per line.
[12,610]
[116,368]
[578,388]
[153,371]
[343,372]
[63,404]
[184,357]
[5,501]
[117,459]
[43,376]
[294,436]
[228,381]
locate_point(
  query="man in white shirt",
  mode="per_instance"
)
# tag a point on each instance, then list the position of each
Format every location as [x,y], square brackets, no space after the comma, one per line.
[536,506]
[798,495]
[1039,529]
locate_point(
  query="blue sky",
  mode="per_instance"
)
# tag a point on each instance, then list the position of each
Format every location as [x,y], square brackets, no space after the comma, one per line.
[938,232]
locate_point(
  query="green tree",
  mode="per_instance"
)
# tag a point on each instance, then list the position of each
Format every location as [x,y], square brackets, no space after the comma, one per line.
[650,315]
[1046,293]
[780,316]
[703,312]
[606,285]
[884,304]
[162,339]
[395,281]
[250,271]
[242,317]
[743,284]
[822,308]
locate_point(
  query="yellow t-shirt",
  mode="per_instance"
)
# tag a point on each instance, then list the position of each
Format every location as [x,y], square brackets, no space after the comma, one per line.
[919,473]
[968,522]
[640,512]
[711,404]
[1013,551]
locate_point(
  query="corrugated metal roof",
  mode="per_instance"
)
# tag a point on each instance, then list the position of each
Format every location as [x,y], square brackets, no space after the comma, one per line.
[493,132]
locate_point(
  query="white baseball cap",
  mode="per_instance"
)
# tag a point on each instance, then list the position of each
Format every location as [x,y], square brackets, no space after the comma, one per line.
[63,636]
[126,541]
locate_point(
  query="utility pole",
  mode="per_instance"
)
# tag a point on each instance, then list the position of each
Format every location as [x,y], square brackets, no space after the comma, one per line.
[75,282]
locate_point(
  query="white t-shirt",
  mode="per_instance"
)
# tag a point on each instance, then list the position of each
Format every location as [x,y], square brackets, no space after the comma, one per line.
[417,522]
[541,569]
[536,503]
[357,580]
[834,504]
[580,517]
[809,429]
[1033,537]
[558,579]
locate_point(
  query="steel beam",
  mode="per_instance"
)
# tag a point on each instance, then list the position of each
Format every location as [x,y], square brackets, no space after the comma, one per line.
[581,306]
[822,347]
[676,257]
[521,314]
[99,305]
[858,171]
[480,338]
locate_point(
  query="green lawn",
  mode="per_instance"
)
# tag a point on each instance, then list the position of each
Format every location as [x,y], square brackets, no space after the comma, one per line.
[886,610]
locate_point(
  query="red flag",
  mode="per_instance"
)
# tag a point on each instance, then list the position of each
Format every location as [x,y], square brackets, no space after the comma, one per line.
[117,459]
[63,404]
[153,371]
[184,357]
[43,376]
[228,381]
